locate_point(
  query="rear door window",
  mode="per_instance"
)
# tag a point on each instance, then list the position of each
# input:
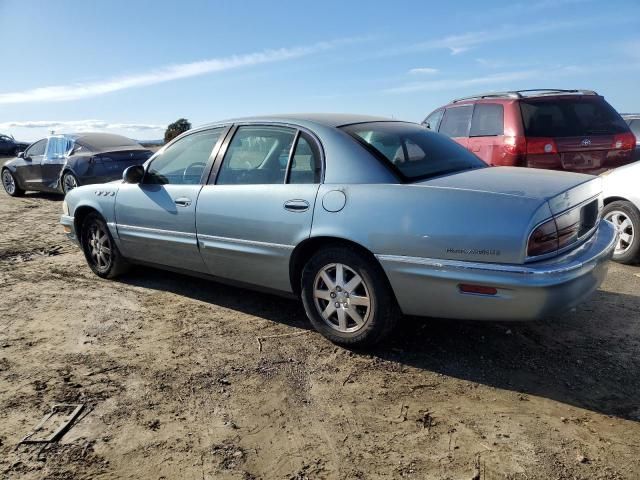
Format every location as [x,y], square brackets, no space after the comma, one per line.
[488,120]
[257,155]
[456,121]
[305,163]
[570,117]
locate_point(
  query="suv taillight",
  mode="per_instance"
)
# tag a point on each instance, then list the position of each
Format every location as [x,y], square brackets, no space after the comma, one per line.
[624,141]
[541,145]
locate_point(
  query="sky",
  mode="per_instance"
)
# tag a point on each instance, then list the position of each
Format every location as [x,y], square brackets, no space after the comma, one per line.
[132,67]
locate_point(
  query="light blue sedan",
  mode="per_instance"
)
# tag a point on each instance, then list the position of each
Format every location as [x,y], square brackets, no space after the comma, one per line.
[364,218]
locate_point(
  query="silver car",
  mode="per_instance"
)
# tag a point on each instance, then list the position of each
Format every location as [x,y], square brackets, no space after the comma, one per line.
[622,208]
[362,217]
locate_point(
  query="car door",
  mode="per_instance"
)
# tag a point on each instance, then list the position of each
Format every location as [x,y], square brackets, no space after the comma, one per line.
[456,123]
[156,219]
[53,161]
[259,204]
[30,169]
[486,136]
[6,145]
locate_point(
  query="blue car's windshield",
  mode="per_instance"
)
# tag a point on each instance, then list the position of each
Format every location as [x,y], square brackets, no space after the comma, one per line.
[413,151]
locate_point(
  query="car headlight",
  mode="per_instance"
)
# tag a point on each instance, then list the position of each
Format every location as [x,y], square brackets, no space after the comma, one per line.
[65,208]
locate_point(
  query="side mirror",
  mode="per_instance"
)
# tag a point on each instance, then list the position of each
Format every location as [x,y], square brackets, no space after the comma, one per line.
[20,154]
[427,125]
[133,174]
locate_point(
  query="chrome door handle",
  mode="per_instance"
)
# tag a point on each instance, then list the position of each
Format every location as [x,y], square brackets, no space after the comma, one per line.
[182,201]
[296,205]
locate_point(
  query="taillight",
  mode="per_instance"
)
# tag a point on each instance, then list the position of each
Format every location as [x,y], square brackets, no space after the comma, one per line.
[543,239]
[515,145]
[624,141]
[541,145]
[568,227]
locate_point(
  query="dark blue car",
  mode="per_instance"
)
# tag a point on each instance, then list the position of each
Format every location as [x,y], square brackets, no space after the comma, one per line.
[62,162]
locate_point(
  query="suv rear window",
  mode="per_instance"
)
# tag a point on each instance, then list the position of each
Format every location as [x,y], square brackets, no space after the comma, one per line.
[412,151]
[570,117]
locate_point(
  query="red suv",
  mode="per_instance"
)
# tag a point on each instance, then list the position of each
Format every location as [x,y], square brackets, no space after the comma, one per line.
[573,130]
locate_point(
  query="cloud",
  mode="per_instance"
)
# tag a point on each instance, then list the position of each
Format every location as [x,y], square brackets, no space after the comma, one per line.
[460,43]
[80,125]
[75,91]
[423,71]
[451,84]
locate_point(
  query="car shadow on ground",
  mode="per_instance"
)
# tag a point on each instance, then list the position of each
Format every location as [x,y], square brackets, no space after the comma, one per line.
[58,197]
[587,358]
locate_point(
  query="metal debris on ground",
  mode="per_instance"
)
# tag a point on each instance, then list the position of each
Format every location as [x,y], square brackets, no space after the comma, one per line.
[54,424]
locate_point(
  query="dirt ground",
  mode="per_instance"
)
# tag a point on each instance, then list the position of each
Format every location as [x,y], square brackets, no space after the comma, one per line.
[175,384]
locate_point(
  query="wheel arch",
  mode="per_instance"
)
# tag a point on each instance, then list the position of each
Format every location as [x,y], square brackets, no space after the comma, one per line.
[14,171]
[305,250]
[81,213]
[609,200]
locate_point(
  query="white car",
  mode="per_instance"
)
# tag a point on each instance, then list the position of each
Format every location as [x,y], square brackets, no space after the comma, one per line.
[622,208]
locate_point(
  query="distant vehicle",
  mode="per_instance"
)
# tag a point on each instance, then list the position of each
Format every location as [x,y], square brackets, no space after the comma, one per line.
[62,162]
[9,146]
[362,217]
[572,130]
[622,208]
[633,120]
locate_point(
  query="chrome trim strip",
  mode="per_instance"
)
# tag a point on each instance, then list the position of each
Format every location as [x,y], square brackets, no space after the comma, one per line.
[441,264]
[157,231]
[242,241]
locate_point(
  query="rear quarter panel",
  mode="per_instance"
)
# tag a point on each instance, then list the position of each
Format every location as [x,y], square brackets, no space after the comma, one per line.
[431,222]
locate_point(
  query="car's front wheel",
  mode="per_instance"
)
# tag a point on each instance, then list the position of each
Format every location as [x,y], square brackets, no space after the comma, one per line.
[347,297]
[626,218]
[100,250]
[10,184]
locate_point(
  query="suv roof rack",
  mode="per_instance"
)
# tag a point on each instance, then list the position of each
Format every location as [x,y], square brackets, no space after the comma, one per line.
[532,92]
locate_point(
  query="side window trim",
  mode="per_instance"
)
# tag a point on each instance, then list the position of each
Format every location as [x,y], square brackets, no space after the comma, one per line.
[294,145]
[228,137]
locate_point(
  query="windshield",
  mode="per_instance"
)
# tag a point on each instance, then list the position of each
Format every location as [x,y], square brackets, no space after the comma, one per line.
[412,151]
[570,117]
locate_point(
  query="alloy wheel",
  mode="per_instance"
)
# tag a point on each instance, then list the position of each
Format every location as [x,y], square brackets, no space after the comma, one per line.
[8,182]
[342,298]
[625,228]
[100,247]
[69,183]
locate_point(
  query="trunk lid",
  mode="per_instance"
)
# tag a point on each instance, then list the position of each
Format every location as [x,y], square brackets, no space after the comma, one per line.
[561,190]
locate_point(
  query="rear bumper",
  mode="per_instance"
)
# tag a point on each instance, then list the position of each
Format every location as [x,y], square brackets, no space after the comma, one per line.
[430,287]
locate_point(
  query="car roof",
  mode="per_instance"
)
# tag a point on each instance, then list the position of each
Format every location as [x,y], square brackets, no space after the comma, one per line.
[514,95]
[307,119]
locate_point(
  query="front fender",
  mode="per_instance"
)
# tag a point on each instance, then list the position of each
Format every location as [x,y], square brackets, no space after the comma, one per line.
[99,198]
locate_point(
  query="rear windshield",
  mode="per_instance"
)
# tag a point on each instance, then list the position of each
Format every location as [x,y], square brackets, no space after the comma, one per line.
[570,117]
[412,151]
[99,142]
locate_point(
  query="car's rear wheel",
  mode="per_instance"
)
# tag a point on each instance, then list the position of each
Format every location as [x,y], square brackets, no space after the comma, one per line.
[626,218]
[69,182]
[100,250]
[10,184]
[347,297]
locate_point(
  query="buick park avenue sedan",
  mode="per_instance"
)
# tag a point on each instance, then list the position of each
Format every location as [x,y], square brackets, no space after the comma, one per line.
[364,218]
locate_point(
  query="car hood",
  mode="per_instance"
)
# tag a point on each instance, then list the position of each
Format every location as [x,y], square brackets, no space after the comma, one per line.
[561,190]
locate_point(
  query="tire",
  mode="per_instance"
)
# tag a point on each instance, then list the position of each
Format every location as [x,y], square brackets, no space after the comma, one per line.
[626,218]
[69,182]
[100,250]
[10,184]
[376,306]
